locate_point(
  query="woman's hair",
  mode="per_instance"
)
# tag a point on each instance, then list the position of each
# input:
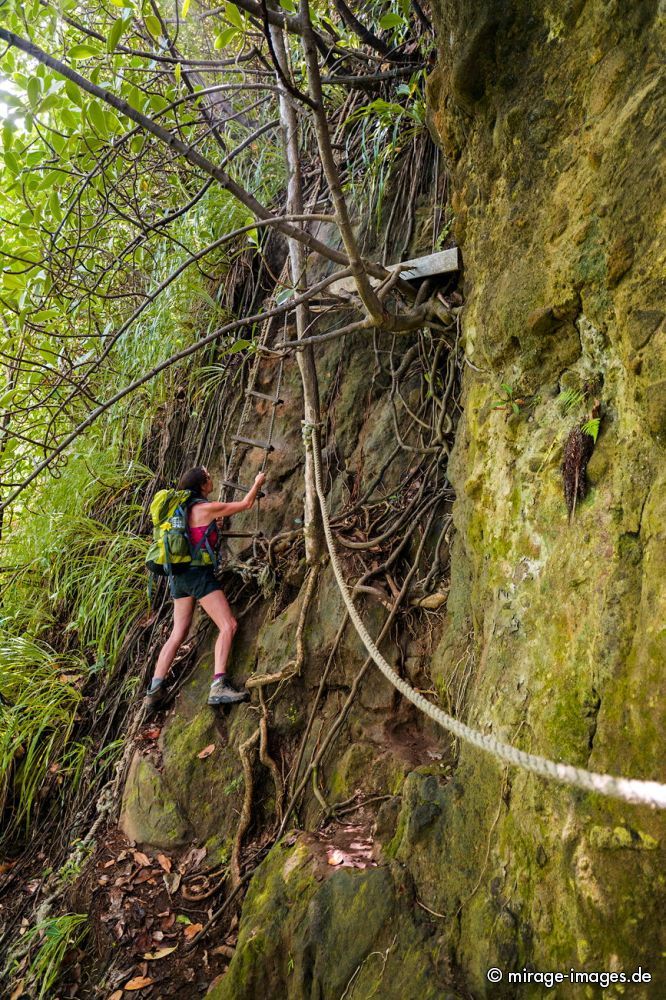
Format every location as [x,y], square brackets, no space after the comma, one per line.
[194,479]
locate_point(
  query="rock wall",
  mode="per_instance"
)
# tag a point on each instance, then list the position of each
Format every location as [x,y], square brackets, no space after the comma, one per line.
[551,119]
[554,635]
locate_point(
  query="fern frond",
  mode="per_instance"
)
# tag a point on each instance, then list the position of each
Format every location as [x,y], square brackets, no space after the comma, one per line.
[570,398]
[591,427]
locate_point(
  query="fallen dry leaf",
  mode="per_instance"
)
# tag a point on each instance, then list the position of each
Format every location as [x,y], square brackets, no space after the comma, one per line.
[138,983]
[141,858]
[191,930]
[192,859]
[336,858]
[143,877]
[223,949]
[164,862]
[116,995]
[206,752]
[151,733]
[152,956]
[18,991]
[172,881]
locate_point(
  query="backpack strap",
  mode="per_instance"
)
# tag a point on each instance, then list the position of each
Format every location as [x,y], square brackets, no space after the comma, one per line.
[168,568]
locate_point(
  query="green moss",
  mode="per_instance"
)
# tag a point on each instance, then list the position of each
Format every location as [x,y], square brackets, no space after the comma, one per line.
[621,838]
[308,931]
[149,814]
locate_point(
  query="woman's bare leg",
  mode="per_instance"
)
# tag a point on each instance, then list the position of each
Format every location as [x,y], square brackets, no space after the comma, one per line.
[183,609]
[217,607]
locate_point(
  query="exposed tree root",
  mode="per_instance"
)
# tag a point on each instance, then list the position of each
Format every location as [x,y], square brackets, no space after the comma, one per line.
[268,761]
[245,752]
[293,667]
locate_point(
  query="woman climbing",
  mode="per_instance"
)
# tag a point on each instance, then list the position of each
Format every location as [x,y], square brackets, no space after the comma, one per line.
[198,583]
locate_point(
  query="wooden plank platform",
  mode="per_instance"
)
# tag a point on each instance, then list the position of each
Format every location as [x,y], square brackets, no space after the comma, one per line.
[416,269]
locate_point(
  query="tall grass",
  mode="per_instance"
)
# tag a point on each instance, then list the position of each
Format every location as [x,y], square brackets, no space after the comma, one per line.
[54,938]
[38,702]
[79,588]
[377,134]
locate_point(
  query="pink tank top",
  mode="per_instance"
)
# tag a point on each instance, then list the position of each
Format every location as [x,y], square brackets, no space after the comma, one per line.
[196,534]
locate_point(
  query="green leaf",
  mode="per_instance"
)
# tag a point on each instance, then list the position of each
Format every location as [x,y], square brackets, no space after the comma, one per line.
[391,21]
[158,103]
[69,119]
[34,91]
[591,428]
[234,16]
[84,51]
[288,5]
[115,33]
[177,72]
[12,162]
[74,93]
[54,205]
[7,136]
[153,25]
[113,123]
[50,102]
[186,7]
[238,345]
[7,397]
[225,37]
[96,117]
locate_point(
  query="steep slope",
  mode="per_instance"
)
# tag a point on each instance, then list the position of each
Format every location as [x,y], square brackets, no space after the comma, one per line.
[377,855]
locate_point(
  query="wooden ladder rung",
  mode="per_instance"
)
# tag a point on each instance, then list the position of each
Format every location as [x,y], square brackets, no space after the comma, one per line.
[242,534]
[264,445]
[240,486]
[275,400]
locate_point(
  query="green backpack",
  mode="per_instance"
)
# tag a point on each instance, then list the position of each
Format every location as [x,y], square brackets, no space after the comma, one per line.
[171,551]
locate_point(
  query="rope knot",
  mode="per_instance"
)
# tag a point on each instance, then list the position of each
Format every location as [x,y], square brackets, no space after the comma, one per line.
[307,430]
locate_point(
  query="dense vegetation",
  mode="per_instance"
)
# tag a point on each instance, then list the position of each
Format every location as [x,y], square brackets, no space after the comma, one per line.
[125,244]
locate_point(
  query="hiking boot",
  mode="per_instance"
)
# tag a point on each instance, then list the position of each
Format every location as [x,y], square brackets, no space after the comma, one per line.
[224,693]
[154,696]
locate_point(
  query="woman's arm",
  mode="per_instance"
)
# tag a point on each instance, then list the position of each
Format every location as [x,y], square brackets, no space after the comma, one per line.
[215,509]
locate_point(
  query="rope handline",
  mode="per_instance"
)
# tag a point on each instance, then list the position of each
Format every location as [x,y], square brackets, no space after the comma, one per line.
[628,789]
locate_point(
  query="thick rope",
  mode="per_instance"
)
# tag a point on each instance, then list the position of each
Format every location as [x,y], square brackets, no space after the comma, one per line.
[630,790]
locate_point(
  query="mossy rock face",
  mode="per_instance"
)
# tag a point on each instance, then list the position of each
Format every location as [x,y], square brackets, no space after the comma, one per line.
[150,814]
[554,639]
[550,121]
[209,790]
[309,931]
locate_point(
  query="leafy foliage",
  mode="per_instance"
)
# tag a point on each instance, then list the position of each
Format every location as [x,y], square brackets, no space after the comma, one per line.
[115,249]
[38,700]
[508,401]
[54,938]
[591,428]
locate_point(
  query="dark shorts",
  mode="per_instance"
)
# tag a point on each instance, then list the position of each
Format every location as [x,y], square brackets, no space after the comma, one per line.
[197,581]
